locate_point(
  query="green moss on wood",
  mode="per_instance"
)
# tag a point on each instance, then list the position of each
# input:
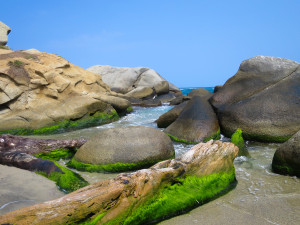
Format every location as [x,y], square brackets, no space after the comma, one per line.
[178,198]
[98,118]
[115,167]
[57,154]
[67,181]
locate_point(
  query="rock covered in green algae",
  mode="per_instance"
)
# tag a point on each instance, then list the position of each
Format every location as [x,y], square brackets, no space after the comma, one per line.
[123,149]
[286,159]
[168,188]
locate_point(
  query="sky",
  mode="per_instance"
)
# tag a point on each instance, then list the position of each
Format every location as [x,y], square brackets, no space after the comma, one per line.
[191,43]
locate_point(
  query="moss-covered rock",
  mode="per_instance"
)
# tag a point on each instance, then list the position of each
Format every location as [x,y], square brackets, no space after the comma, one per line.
[98,118]
[67,181]
[238,140]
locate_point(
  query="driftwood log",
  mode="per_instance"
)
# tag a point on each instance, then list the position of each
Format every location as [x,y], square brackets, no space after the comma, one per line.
[19,152]
[116,200]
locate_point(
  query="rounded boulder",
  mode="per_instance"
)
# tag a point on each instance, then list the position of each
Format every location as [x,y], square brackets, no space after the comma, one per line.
[138,146]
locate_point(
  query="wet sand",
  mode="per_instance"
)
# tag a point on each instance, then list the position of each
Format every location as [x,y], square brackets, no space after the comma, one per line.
[20,188]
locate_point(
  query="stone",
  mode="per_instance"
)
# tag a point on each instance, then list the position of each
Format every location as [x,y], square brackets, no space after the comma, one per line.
[262,99]
[140,92]
[161,88]
[196,123]
[4,31]
[127,145]
[217,88]
[202,92]
[176,184]
[125,79]
[180,99]
[42,90]
[286,159]
[169,117]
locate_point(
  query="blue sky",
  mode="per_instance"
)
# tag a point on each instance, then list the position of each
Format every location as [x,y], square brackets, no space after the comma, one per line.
[190,43]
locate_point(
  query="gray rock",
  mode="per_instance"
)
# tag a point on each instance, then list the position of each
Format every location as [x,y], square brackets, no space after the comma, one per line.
[140,92]
[262,98]
[4,31]
[202,92]
[126,145]
[125,79]
[286,159]
[169,117]
[197,122]
[161,88]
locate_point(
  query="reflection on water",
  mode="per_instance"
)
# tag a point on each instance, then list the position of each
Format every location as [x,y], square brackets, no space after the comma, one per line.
[261,197]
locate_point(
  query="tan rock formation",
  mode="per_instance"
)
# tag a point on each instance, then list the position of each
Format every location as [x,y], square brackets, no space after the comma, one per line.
[41,89]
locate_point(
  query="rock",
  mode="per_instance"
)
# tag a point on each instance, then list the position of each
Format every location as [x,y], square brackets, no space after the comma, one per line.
[262,99]
[169,117]
[120,104]
[165,98]
[44,90]
[4,31]
[140,92]
[202,92]
[38,155]
[180,99]
[217,88]
[150,103]
[196,123]
[124,79]
[124,148]
[286,159]
[161,88]
[177,185]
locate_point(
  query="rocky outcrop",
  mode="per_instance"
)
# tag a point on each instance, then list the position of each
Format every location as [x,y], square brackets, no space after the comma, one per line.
[137,83]
[286,159]
[123,149]
[196,123]
[43,90]
[262,99]
[39,155]
[4,31]
[166,189]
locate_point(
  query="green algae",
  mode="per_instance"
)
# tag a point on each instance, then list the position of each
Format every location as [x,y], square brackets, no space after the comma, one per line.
[215,136]
[98,118]
[185,194]
[115,167]
[237,139]
[129,109]
[57,154]
[67,181]
[266,138]
[95,220]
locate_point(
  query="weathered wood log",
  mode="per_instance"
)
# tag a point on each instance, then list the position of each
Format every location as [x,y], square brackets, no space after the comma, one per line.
[146,195]
[19,152]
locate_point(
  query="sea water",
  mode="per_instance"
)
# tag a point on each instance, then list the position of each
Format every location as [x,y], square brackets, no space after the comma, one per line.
[260,197]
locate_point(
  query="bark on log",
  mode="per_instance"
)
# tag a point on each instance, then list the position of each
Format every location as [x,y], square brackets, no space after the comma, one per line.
[116,200]
[19,152]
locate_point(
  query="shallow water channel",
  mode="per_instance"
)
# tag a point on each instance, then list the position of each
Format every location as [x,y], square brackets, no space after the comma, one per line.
[260,197]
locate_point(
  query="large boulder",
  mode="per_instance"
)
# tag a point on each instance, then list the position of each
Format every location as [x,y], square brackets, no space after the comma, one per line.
[197,122]
[125,79]
[44,90]
[168,188]
[262,99]
[286,159]
[124,148]
[202,92]
[4,31]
